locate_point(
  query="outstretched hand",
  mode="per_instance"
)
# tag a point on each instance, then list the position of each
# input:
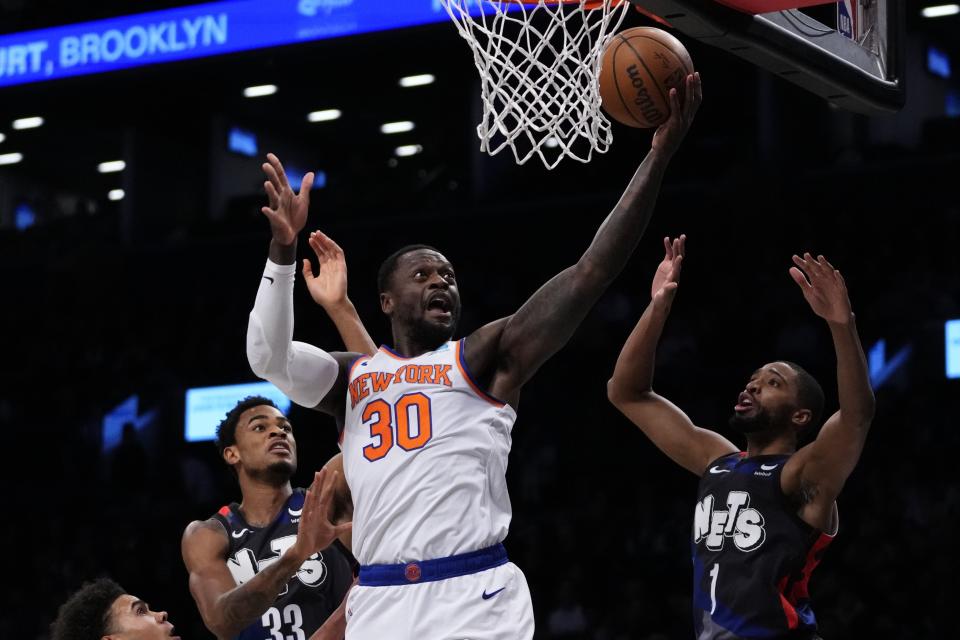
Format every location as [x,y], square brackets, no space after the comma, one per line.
[823,287]
[287,211]
[329,286]
[315,531]
[670,134]
[667,277]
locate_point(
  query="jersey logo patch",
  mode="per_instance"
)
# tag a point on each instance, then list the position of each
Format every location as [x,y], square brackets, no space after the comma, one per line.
[738,522]
[715,470]
[239,534]
[769,467]
[378,381]
[244,565]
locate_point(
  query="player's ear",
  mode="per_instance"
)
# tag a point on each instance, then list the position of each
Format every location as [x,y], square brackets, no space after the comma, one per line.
[801,418]
[386,303]
[231,455]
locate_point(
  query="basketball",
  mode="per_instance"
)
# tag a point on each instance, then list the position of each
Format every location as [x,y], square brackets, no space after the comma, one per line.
[639,68]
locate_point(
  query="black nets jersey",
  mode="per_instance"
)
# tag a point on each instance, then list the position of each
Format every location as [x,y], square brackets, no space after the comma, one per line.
[752,554]
[310,596]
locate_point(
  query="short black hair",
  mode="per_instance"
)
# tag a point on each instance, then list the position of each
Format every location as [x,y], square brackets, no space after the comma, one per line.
[388,266]
[227,429]
[86,614]
[809,393]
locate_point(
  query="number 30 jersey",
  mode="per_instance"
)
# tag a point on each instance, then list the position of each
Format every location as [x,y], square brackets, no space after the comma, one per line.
[752,554]
[425,454]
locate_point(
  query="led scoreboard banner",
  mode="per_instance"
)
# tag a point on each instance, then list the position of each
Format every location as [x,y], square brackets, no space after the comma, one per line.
[197,31]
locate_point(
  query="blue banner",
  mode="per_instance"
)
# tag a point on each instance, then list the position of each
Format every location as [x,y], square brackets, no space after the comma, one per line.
[197,31]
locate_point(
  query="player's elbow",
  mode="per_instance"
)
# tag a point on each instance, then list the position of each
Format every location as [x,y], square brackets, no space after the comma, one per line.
[620,393]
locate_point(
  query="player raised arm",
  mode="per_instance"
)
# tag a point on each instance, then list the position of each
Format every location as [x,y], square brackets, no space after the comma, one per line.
[329,290]
[228,608]
[308,375]
[818,471]
[546,321]
[631,387]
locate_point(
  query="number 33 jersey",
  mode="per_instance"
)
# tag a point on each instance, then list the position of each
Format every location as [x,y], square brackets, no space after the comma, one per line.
[425,455]
[311,594]
[752,554]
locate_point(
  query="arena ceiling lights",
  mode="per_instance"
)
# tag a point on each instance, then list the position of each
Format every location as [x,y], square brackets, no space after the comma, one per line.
[941,11]
[325,115]
[260,91]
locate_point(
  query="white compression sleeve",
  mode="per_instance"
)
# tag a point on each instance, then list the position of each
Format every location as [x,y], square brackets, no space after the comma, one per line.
[301,371]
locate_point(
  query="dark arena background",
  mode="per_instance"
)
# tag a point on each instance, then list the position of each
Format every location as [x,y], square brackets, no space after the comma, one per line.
[126,285]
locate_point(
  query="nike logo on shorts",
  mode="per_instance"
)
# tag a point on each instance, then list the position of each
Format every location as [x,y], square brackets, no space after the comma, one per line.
[268,278]
[487,596]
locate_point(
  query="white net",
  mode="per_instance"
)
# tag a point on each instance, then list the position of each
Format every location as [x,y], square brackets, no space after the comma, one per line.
[539,63]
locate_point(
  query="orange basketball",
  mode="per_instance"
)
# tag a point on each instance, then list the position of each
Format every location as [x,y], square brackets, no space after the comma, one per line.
[639,68]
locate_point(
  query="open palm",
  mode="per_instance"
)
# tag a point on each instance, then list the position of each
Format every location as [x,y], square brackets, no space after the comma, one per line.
[329,286]
[667,277]
[287,211]
[823,288]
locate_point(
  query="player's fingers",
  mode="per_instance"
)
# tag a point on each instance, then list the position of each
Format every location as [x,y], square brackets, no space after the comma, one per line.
[675,111]
[801,279]
[683,244]
[317,247]
[667,247]
[697,89]
[278,169]
[272,176]
[272,194]
[307,270]
[337,251]
[326,487]
[307,184]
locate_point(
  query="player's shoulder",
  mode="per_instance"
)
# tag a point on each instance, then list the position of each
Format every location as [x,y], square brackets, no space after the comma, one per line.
[205,532]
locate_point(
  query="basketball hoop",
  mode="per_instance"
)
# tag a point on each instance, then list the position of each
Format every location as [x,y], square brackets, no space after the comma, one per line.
[538,62]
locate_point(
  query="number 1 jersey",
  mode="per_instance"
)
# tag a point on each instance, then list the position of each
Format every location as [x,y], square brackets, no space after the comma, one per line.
[752,554]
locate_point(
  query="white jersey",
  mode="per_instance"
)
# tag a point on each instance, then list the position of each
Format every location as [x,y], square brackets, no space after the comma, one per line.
[425,454]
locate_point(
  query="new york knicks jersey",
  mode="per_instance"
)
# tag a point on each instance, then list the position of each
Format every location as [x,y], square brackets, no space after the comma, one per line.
[752,554]
[310,596]
[425,454]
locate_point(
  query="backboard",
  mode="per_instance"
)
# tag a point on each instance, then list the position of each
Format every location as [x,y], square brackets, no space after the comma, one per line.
[856,65]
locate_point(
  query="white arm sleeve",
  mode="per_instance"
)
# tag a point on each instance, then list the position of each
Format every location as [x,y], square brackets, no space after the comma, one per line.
[301,371]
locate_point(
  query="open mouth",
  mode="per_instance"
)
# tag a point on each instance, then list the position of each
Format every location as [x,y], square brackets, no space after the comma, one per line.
[744,403]
[280,447]
[440,305]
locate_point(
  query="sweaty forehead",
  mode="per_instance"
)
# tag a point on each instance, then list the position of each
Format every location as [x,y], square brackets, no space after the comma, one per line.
[784,370]
[422,257]
[122,606]
[258,412]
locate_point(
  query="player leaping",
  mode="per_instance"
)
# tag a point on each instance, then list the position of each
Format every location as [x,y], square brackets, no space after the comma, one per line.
[763,517]
[426,426]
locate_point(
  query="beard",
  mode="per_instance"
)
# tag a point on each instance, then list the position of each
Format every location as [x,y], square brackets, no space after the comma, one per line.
[277,473]
[761,420]
[430,334]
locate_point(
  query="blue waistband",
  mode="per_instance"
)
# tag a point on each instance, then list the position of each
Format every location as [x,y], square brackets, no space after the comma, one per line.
[385,575]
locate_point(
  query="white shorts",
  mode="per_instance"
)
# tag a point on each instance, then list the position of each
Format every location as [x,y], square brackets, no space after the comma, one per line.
[489,605]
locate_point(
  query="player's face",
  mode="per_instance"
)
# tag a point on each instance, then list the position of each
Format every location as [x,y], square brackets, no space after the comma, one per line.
[132,619]
[265,442]
[768,401]
[423,297]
